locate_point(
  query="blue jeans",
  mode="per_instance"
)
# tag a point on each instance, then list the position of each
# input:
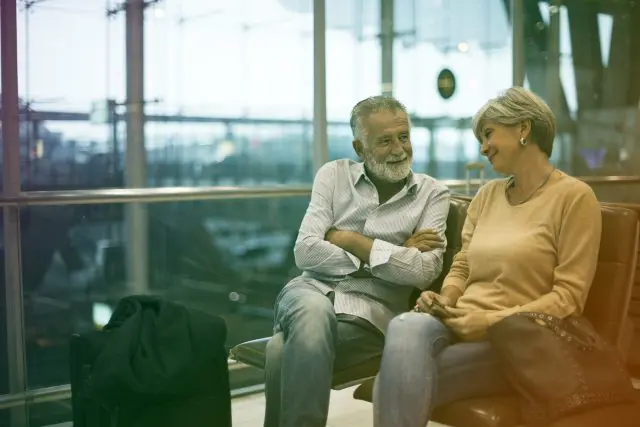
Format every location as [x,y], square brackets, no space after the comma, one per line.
[309,343]
[423,367]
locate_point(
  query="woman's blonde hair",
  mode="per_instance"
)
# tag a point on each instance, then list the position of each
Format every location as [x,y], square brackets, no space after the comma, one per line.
[517,105]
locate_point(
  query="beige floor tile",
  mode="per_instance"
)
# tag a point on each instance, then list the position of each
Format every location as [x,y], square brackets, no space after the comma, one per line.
[344,411]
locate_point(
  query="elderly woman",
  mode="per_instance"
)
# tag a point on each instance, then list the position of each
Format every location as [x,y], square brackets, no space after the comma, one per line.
[529,243]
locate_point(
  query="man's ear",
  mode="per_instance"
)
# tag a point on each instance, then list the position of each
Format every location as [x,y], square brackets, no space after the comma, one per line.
[358,148]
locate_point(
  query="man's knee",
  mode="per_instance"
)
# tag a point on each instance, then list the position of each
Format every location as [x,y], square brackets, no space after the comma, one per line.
[307,334]
[307,307]
[274,348]
[273,354]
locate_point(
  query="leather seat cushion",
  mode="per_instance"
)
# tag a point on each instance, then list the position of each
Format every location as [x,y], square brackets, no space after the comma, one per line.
[503,411]
[500,411]
[252,353]
[480,412]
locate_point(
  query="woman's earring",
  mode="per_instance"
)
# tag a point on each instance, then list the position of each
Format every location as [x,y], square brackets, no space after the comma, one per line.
[523,142]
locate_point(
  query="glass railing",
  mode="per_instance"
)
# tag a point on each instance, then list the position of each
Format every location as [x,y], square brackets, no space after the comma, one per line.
[224,250]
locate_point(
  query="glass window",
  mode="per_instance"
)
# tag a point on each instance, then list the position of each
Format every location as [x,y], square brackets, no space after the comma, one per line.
[229,258]
[469,38]
[589,85]
[353,66]
[208,65]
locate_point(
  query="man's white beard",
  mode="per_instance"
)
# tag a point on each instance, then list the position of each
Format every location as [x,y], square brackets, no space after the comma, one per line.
[388,172]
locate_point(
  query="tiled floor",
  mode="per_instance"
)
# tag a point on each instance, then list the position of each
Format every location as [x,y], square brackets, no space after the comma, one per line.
[344,411]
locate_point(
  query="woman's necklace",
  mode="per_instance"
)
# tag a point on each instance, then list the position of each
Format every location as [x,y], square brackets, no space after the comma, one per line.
[512,183]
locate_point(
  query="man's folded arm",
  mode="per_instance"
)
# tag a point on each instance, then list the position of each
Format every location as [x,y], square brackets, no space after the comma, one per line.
[311,251]
[410,266]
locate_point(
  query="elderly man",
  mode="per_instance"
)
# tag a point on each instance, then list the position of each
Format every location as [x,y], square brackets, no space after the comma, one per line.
[373,232]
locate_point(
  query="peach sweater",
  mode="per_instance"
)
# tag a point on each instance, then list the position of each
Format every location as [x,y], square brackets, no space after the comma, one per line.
[538,256]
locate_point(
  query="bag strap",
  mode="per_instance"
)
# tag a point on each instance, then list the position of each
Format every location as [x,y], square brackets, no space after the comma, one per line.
[587,340]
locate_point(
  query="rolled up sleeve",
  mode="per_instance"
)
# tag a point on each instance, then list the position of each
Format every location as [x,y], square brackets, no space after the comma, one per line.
[312,252]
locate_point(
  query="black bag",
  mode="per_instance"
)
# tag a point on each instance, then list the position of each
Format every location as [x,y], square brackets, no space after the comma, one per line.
[155,364]
[559,367]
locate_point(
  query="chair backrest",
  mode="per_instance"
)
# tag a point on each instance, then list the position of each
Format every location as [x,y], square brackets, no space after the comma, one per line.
[634,309]
[608,300]
[455,221]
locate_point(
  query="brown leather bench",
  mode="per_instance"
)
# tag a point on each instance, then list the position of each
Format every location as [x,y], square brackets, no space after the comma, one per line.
[252,352]
[634,310]
[607,308]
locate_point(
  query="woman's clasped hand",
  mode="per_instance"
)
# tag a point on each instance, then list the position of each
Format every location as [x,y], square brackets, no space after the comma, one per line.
[468,326]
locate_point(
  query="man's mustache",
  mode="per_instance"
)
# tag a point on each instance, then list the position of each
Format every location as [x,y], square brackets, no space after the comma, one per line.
[397,159]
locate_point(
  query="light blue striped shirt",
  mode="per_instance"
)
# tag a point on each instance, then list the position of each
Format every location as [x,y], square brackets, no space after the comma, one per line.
[344,198]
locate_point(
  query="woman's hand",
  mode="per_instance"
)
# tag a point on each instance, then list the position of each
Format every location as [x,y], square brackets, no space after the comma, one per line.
[467,326]
[426,299]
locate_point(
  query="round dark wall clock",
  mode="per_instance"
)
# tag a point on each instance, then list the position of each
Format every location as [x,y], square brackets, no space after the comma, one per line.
[446,83]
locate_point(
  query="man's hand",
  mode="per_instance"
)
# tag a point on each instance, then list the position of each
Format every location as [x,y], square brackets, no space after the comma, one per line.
[468,327]
[340,238]
[425,241]
[426,299]
[337,237]
[351,241]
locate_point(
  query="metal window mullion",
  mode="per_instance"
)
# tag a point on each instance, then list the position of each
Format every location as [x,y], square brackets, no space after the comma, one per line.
[11,219]
[387,37]
[320,138]
[136,242]
[517,37]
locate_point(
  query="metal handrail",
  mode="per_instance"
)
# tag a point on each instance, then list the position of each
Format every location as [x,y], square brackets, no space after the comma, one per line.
[611,179]
[39,395]
[150,195]
[181,194]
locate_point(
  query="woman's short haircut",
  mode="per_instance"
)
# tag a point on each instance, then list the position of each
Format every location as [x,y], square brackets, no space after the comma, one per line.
[515,106]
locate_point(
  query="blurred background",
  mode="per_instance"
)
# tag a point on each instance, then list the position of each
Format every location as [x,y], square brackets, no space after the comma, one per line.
[224,110]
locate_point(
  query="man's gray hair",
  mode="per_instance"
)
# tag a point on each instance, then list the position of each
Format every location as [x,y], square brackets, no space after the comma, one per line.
[369,106]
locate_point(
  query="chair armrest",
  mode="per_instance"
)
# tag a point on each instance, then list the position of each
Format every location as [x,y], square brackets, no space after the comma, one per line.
[251,353]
